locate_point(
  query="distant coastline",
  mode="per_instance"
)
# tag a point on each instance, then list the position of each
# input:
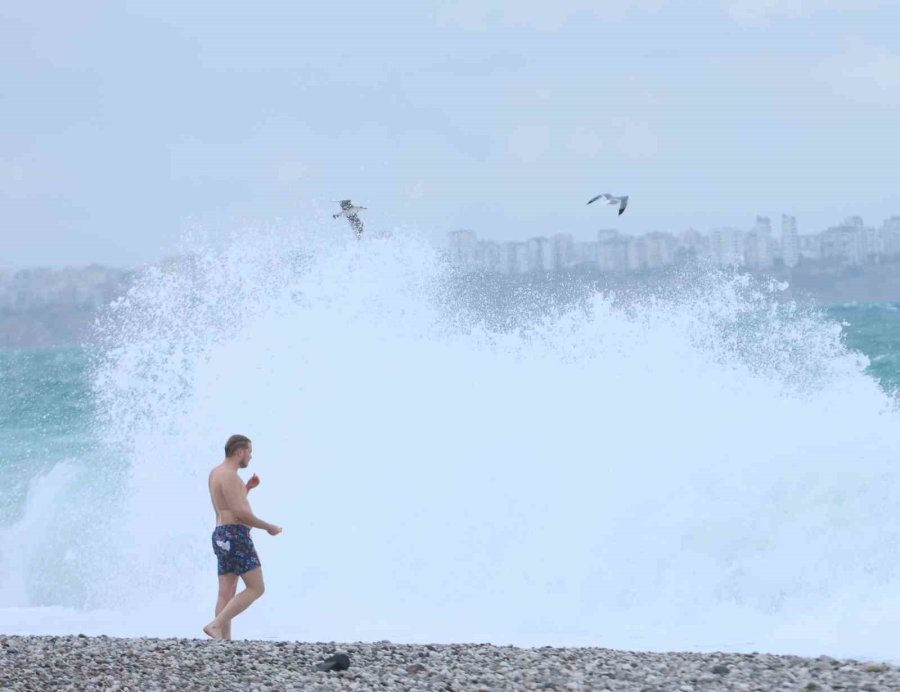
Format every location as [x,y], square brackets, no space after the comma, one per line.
[57,307]
[815,283]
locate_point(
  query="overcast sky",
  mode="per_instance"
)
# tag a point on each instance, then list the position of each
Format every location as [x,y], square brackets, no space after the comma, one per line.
[124,122]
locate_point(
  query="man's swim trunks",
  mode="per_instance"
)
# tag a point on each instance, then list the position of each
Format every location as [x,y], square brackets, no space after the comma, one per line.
[234,548]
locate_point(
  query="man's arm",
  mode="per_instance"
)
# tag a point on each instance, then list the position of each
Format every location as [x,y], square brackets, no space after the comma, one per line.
[236,500]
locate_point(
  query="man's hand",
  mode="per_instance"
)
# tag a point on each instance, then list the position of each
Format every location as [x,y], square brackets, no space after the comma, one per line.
[253,482]
[274,530]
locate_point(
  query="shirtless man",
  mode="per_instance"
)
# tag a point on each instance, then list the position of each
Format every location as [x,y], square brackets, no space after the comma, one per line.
[231,539]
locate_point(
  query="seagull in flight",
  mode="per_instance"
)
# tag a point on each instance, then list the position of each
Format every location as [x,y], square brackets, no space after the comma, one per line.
[612,199]
[350,211]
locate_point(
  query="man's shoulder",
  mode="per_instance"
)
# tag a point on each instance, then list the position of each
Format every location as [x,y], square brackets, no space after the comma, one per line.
[223,474]
[219,472]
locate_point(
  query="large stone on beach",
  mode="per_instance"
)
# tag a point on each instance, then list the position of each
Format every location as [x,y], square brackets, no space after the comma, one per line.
[336,662]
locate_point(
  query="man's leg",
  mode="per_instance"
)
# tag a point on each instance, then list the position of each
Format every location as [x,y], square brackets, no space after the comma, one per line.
[254,587]
[227,588]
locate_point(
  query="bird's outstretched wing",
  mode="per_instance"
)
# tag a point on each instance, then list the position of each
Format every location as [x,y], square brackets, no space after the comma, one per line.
[623,204]
[356,225]
[605,195]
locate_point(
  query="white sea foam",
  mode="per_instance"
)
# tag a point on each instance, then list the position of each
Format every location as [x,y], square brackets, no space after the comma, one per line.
[708,468]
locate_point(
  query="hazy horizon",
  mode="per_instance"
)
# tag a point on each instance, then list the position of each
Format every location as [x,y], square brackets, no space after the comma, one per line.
[126,123]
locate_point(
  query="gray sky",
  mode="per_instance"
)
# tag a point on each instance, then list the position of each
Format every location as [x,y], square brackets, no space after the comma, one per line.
[124,122]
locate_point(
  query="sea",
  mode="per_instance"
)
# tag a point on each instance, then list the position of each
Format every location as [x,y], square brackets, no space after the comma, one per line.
[706,466]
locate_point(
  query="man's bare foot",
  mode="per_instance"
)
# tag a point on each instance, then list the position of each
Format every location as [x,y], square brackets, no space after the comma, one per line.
[213,630]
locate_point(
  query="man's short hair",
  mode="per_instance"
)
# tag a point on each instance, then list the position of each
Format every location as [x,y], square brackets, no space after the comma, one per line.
[236,442]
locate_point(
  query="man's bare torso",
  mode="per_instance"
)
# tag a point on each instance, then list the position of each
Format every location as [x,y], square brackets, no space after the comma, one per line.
[217,478]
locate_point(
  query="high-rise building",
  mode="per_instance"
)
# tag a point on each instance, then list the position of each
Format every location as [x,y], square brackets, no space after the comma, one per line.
[692,245]
[890,234]
[790,241]
[844,244]
[810,246]
[562,245]
[463,249]
[488,256]
[727,246]
[637,254]
[758,246]
[540,256]
[872,244]
[515,258]
[660,249]
[607,235]
[584,254]
[612,251]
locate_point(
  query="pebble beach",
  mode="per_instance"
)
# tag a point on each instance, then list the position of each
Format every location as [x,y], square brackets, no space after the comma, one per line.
[105,663]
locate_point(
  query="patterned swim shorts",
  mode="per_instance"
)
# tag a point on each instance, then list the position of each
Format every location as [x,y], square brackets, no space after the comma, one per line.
[234,548]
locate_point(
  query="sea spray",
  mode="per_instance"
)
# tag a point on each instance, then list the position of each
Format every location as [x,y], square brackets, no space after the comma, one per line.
[703,466]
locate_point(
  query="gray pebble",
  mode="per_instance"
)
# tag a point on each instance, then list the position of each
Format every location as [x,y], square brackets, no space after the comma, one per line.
[79,662]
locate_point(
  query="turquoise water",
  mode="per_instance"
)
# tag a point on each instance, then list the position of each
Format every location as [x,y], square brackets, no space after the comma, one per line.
[46,414]
[874,330]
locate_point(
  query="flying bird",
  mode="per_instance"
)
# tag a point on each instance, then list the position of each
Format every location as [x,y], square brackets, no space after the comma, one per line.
[612,199]
[349,211]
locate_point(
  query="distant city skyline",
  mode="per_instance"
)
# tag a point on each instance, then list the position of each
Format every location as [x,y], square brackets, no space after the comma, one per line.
[124,123]
[848,261]
[802,232]
[849,243]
